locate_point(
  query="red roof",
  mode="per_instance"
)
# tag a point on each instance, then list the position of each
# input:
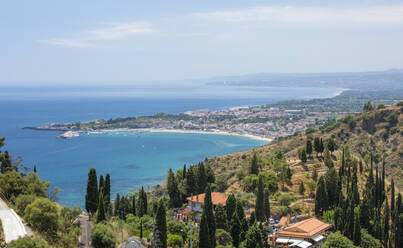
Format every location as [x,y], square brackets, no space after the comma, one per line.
[304,229]
[216,198]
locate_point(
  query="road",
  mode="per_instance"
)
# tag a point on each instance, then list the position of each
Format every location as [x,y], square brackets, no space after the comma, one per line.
[85,232]
[12,224]
[133,243]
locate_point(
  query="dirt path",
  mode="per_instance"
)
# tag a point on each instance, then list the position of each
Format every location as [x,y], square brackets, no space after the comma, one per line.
[85,232]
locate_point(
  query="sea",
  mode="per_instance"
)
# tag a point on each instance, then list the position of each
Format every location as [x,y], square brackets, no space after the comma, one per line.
[133,159]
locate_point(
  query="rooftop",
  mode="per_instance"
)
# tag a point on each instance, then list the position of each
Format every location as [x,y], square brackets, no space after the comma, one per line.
[304,229]
[216,198]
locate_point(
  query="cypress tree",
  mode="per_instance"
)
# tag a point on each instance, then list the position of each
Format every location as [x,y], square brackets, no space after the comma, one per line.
[308,147]
[201,178]
[173,191]
[392,198]
[357,227]
[338,219]
[301,189]
[91,198]
[266,205]
[159,239]
[383,194]
[321,145]
[221,217]
[141,229]
[386,215]
[259,208]
[365,213]
[142,203]
[208,210]
[316,145]
[321,201]
[254,238]
[117,204]
[184,172]
[191,184]
[230,206]
[101,184]
[349,222]
[331,181]
[101,216]
[254,167]
[315,174]
[204,236]
[235,230]
[343,163]
[134,204]
[107,190]
[35,168]
[331,145]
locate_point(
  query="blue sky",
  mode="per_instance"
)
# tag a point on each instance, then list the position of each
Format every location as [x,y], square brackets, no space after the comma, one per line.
[141,41]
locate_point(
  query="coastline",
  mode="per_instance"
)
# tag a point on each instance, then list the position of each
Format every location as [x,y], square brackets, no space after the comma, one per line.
[163,130]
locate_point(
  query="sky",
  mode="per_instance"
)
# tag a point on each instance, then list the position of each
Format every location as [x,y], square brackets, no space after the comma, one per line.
[157,40]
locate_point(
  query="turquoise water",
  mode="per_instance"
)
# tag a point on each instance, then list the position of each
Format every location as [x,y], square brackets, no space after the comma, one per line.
[132,159]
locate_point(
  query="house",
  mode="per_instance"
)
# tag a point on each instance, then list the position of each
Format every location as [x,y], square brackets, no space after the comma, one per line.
[195,203]
[302,234]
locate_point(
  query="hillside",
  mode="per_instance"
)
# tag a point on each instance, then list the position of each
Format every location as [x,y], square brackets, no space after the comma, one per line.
[379,131]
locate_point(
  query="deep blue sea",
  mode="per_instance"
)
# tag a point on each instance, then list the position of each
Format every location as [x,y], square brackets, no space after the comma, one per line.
[133,159]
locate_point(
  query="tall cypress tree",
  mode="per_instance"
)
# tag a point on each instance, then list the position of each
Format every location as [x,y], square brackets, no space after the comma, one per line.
[221,217]
[117,204]
[101,216]
[357,227]
[201,178]
[173,191]
[259,207]
[191,182]
[107,190]
[254,167]
[321,201]
[208,210]
[159,239]
[392,198]
[134,204]
[308,147]
[101,185]
[386,215]
[349,222]
[204,236]
[266,205]
[142,203]
[184,172]
[230,206]
[235,230]
[91,198]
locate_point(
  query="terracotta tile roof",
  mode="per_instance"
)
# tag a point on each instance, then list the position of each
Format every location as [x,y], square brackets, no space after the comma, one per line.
[216,198]
[304,229]
[284,221]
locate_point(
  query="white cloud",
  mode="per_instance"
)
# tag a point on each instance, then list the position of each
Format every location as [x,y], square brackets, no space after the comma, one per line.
[68,43]
[90,37]
[383,15]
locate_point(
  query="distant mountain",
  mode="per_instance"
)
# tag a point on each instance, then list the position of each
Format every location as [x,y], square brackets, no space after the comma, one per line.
[375,80]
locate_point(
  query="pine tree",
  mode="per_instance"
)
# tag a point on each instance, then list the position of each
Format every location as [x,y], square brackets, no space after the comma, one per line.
[357,227]
[101,215]
[208,211]
[91,198]
[308,147]
[321,200]
[266,205]
[221,217]
[235,230]
[159,239]
[6,164]
[107,190]
[254,167]
[230,206]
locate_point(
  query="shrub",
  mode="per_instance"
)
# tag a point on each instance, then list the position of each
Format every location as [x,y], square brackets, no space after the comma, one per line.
[27,242]
[337,240]
[43,216]
[174,240]
[285,199]
[368,241]
[223,237]
[102,236]
[22,201]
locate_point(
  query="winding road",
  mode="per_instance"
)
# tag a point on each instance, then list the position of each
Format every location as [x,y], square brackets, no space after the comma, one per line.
[12,224]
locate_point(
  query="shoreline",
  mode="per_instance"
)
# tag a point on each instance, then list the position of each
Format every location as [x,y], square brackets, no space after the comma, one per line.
[163,130]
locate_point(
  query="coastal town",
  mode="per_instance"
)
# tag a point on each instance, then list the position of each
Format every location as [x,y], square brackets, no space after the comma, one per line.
[266,122]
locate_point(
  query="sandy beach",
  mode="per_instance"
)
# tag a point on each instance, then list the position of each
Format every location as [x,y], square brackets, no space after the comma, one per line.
[162,130]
